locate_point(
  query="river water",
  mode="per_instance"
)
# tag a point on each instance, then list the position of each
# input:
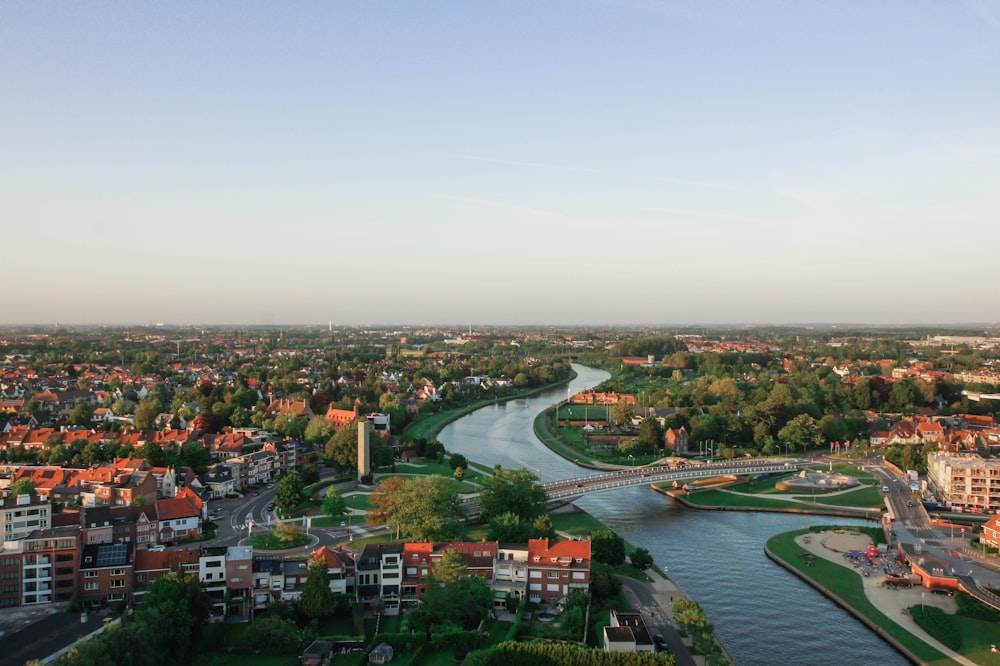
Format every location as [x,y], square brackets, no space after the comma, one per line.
[762,613]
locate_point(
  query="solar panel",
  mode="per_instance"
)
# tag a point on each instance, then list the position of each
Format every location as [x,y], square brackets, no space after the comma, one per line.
[109,556]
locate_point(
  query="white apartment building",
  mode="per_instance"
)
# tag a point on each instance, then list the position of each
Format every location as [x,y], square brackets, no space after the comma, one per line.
[966,481]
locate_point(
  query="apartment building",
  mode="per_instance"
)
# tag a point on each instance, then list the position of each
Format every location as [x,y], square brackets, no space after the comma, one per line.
[40,568]
[966,481]
[22,515]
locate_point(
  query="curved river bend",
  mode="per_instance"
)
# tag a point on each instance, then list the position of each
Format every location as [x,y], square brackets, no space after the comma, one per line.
[762,613]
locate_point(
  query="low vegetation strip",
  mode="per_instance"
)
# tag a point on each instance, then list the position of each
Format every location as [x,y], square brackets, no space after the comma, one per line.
[845,587]
[938,624]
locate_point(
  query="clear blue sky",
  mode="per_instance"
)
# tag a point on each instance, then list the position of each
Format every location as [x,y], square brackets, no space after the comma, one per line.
[563,162]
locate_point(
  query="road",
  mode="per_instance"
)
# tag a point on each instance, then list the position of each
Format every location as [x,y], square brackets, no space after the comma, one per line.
[654,613]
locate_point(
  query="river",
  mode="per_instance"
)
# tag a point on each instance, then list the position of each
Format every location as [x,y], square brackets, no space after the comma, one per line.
[762,614]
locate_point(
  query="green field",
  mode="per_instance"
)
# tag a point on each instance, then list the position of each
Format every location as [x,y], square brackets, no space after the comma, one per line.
[847,585]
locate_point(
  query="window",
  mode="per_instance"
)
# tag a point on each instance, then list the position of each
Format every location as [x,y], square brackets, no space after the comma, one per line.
[90,586]
[117,583]
[117,572]
[90,574]
[552,574]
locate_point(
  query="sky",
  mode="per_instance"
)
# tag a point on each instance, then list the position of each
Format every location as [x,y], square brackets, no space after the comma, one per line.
[563,162]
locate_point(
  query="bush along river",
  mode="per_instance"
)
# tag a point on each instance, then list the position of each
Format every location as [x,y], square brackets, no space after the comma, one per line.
[761,613]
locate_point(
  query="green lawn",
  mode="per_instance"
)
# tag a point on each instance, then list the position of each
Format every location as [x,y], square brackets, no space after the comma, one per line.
[269,541]
[848,586]
[866,497]
[719,498]
[357,501]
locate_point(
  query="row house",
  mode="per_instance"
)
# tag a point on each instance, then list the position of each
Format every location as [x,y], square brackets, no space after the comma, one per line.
[151,565]
[222,568]
[268,580]
[420,558]
[541,571]
[106,573]
[339,568]
[226,445]
[41,568]
[555,569]
[378,574]
[180,517]
[118,488]
[288,408]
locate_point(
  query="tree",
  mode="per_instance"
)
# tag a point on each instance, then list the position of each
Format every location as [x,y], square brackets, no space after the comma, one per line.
[289,493]
[342,448]
[508,527]
[153,454]
[196,456]
[543,528]
[457,460]
[82,414]
[172,614]
[621,413]
[801,432]
[512,490]
[272,635]
[319,430]
[641,559]
[608,548]
[23,487]
[424,508]
[333,503]
[146,413]
[310,474]
[317,599]
[650,436]
[455,595]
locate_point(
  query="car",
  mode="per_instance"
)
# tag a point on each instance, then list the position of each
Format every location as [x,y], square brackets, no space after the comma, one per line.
[270,507]
[909,502]
[158,548]
[256,492]
[661,644]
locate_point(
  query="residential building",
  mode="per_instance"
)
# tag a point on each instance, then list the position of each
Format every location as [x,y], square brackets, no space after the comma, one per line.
[339,568]
[22,515]
[106,573]
[556,568]
[965,481]
[40,568]
[627,632]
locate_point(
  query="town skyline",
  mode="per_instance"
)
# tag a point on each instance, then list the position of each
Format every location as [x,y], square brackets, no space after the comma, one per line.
[605,162]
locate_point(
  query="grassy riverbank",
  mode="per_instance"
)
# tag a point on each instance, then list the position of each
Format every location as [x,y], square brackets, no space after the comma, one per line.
[845,587]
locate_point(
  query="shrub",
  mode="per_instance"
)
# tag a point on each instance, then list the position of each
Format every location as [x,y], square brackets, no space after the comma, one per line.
[938,624]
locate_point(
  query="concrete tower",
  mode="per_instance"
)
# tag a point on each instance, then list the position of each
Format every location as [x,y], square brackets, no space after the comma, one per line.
[364,451]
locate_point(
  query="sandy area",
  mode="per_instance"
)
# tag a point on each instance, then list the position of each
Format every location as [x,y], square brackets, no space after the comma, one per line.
[893,602]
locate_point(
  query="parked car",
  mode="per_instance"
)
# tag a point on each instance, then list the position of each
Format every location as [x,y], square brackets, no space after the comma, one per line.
[270,507]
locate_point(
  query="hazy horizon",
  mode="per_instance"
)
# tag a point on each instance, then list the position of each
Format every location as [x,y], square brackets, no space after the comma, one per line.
[584,162]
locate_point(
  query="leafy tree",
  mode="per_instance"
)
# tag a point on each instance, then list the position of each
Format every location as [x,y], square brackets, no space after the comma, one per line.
[82,413]
[621,413]
[333,503]
[146,413]
[508,527]
[608,548]
[455,595]
[650,436]
[424,508]
[604,585]
[273,635]
[319,430]
[543,528]
[317,599]
[457,460]
[196,456]
[310,474]
[512,491]
[153,454]
[801,432]
[289,493]
[641,559]
[23,487]
[342,448]
[172,614]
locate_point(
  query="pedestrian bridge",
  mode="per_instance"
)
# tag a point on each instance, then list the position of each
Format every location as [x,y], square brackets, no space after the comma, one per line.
[631,476]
